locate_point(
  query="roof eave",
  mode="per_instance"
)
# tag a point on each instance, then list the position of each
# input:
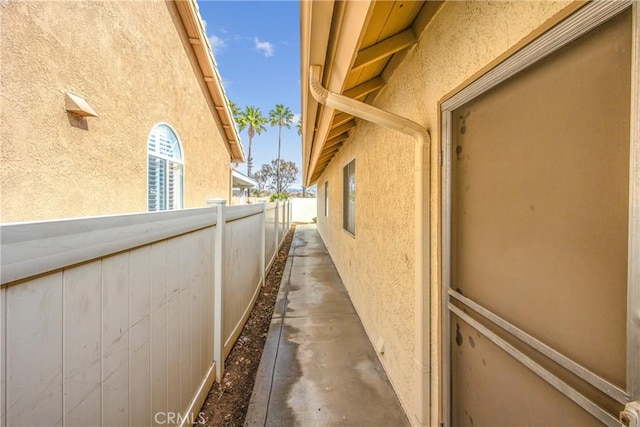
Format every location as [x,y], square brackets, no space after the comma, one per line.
[190,16]
[368,40]
[313,46]
[241,180]
[335,53]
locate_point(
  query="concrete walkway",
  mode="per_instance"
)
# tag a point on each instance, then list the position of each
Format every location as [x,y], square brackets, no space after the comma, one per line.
[318,367]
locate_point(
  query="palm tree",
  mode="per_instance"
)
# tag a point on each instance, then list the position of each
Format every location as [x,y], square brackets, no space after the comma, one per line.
[252,120]
[280,116]
[235,110]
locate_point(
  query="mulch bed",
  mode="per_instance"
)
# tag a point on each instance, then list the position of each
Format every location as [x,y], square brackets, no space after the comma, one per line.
[227,402]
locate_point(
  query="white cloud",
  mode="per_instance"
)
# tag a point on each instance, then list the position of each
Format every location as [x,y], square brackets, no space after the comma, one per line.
[266,47]
[296,118]
[216,43]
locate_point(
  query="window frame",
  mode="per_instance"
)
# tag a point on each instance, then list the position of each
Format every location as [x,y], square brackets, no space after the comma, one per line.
[326,198]
[168,160]
[348,213]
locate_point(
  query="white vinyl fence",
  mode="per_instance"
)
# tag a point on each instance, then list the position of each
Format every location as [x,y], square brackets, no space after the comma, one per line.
[127,319]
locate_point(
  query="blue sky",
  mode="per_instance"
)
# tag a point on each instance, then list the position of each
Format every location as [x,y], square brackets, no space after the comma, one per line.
[257,48]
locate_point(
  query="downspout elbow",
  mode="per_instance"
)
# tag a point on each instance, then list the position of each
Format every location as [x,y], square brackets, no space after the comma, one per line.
[364,111]
[318,92]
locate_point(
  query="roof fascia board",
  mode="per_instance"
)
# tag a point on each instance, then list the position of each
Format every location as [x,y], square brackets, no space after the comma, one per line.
[315,27]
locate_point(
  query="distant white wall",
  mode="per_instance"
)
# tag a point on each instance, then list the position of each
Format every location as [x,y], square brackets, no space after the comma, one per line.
[304,210]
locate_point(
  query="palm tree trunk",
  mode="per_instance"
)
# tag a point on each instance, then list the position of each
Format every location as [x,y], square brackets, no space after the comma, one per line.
[278,169]
[249,158]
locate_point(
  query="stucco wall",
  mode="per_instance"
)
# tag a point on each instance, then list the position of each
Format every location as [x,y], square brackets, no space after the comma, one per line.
[133,64]
[377,265]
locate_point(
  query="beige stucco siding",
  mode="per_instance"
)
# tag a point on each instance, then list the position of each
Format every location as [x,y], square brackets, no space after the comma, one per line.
[133,64]
[377,265]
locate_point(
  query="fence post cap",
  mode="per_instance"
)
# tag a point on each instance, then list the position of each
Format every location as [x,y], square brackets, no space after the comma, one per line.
[216,201]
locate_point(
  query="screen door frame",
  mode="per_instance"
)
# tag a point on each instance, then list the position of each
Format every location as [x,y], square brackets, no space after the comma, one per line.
[579,23]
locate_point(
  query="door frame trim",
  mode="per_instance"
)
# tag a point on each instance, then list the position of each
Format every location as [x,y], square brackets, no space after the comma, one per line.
[633,297]
[574,26]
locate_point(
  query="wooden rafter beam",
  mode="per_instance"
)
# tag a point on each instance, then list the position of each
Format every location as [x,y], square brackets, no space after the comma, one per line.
[335,146]
[337,140]
[365,88]
[341,129]
[385,48]
[330,151]
[328,154]
[340,119]
[324,165]
[342,137]
[320,170]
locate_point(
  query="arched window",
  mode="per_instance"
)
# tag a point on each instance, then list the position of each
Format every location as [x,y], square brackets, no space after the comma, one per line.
[166,169]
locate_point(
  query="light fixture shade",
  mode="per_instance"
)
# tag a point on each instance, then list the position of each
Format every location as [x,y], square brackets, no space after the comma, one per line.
[76,105]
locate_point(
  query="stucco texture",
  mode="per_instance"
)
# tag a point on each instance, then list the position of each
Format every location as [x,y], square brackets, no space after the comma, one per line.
[133,64]
[377,265]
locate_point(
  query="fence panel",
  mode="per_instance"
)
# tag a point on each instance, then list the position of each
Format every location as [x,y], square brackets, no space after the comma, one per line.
[282,226]
[162,273]
[241,268]
[34,351]
[111,320]
[115,339]
[270,235]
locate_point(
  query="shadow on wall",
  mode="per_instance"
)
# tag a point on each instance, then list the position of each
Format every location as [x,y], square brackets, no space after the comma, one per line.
[77,121]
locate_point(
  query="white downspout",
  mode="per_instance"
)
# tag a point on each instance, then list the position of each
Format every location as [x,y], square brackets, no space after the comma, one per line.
[425,330]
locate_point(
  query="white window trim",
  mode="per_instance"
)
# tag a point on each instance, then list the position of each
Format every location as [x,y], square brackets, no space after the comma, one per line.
[166,158]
